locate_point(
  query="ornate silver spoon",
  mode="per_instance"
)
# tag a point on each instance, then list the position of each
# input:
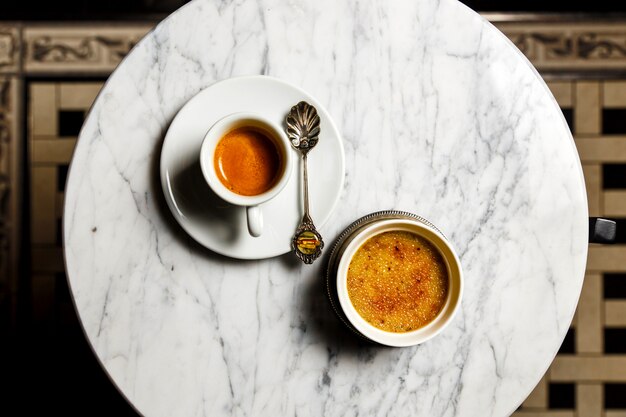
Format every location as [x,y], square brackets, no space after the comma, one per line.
[303,129]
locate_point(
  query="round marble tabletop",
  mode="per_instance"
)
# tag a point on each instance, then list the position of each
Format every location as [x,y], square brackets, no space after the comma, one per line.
[440,115]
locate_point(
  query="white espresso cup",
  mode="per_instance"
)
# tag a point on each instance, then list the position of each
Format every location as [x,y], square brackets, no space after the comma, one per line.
[251,202]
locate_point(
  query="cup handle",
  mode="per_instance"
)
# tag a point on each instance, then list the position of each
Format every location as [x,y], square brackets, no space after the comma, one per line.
[602,230]
[255,220]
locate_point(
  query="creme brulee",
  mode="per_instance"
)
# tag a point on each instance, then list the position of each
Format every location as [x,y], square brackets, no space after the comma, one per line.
[397,281]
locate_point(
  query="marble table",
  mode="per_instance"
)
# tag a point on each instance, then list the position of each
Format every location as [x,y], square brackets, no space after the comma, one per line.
[441,116]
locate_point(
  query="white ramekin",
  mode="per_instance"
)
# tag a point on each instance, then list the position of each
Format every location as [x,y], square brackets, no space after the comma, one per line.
[455,284]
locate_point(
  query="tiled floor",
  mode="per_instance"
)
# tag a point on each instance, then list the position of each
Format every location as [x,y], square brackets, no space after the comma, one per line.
[587,378]
[56,111]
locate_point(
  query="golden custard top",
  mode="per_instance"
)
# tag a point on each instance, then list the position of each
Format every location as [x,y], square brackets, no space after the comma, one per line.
[397,281]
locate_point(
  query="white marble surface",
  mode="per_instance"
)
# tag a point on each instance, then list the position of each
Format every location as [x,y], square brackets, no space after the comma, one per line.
[441,116]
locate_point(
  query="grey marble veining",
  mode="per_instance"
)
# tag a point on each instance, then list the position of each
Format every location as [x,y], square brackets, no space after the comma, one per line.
[440,115]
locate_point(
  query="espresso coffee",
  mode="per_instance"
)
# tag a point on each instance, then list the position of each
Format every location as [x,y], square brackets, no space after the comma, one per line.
[247,161]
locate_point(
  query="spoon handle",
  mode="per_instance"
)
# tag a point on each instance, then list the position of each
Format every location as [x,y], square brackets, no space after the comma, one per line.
[306,215]
[307,243]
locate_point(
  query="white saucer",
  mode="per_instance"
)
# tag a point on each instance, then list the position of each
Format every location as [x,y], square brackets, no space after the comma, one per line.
[218,225]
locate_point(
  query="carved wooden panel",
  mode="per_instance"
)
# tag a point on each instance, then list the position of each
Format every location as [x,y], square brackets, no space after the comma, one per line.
[57,49]
[9,194]
[10,52]
[570,45]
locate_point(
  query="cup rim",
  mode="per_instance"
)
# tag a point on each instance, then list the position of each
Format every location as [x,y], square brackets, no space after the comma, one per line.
[207,153]
[455,284]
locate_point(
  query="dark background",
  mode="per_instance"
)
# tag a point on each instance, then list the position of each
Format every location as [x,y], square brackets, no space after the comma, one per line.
[52,371]
[142,9]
